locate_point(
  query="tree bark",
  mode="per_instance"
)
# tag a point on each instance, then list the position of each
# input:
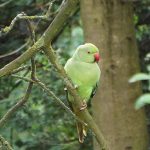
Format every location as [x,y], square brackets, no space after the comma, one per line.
[109,25]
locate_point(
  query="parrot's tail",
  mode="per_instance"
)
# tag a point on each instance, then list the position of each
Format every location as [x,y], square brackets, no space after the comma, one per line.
[82,131]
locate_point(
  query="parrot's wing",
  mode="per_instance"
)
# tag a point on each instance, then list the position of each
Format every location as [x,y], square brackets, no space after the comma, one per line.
[92,95]
[67,94]
[94,91]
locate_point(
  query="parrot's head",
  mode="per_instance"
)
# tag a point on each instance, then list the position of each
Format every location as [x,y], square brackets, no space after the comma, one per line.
[88,53]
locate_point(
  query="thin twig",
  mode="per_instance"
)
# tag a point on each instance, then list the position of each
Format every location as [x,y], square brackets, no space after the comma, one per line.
[66,10]
[14,51]
[5,3]
[20,69]
[31,30]
[42,85]
[8,100]
[23,78]
[20,16]
[48,13]
[50,93]
[19,104]
[4,144]
[7,29]
[44,17]
[29,88]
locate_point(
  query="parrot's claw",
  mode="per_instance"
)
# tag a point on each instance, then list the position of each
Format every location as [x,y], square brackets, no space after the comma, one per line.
[76,86]
[65,89]
[84,106]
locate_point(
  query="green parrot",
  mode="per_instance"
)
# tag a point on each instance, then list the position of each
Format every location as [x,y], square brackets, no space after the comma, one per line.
[83,70]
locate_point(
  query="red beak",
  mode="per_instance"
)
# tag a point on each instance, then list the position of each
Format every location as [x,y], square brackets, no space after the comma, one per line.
[96,57]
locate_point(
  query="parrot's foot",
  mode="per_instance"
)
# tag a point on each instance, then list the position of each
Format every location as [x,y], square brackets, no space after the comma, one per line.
[65,89]
[84,106]
[76,86]
[84,132]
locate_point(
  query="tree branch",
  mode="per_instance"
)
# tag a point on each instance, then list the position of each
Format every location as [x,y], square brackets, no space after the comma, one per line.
[12,110]
[77,100]
[19,104]
[66,9]
[13,52]
[21,16]
[5,3]
[29,89]
[4,144]
[20,69]
[50,93]
[23,78]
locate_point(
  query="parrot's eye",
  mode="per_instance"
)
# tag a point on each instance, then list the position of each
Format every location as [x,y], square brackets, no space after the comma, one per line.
[88,52]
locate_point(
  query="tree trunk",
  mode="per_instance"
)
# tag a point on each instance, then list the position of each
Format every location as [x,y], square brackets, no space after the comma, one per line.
[109,25]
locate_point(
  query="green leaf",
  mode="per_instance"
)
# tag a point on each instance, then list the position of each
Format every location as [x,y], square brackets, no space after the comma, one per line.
[142,100]
[148,67]
[148,55]
[139,77]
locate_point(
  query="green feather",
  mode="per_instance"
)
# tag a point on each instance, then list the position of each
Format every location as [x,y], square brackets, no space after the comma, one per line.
[85,74]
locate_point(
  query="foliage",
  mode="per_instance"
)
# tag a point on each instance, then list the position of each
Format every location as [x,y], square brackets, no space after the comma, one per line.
[145,98]
[141,19]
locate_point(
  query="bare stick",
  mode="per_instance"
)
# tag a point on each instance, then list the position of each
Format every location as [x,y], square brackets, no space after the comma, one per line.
[14,51]
[20,69]
[19,104]
[5,3]
[66,10]
[20,16]
[23,78]
[50,93]
[4,144]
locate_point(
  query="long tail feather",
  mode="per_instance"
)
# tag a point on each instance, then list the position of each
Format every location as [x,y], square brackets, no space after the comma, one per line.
[81,131]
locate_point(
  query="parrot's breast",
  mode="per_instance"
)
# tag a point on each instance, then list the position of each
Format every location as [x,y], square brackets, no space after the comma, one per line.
[84,75]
